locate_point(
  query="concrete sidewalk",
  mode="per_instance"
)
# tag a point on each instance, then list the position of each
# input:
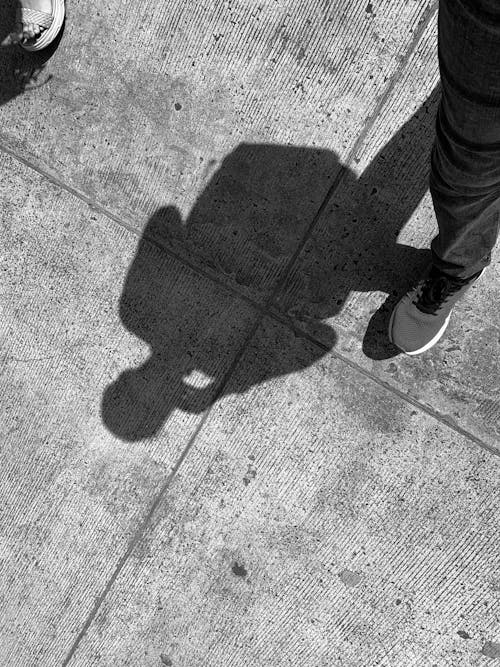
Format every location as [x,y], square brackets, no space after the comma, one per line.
[211,455]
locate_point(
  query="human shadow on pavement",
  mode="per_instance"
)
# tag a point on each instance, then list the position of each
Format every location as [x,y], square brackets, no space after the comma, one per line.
[20,70]
[247,224]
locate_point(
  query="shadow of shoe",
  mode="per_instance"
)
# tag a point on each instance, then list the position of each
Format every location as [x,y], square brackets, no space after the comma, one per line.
[376,344]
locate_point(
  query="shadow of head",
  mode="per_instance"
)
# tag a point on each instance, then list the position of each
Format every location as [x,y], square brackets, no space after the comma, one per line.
[247,224]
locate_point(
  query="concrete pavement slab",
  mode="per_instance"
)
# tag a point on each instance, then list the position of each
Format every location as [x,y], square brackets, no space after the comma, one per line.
[148,105]
[318,520]
[111,351]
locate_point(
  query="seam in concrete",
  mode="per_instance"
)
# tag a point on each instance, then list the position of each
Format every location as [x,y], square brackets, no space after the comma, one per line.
[442,419]
[384,97]
[425,19]
[134,540]
[201,271]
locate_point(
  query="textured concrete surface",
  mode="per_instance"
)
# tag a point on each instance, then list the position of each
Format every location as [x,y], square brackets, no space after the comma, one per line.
[304,530]
[210,453]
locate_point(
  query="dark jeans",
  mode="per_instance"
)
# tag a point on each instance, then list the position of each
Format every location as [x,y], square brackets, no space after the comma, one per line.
[465,162]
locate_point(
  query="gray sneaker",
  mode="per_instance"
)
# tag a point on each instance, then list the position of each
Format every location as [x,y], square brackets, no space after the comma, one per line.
[420,319]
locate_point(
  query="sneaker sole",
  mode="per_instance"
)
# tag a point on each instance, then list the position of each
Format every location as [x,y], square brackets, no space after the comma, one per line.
[425,347]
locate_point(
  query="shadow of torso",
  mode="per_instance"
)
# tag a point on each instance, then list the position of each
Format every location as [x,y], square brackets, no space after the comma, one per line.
[248,224]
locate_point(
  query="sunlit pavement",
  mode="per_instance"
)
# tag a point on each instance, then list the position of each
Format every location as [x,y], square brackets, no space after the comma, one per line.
[211,454]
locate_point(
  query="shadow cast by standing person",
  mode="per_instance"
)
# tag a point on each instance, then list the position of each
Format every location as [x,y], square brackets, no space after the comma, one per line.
[21,70]
[247,224]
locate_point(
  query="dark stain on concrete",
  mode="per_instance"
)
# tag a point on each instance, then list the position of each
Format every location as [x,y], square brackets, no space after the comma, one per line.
[463,634]
[249,475]
[350,578]
[239,570]
[491,649]
[369,8]
[177,106]
[165,660]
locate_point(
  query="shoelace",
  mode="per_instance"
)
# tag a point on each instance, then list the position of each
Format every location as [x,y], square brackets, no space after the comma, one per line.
[435,291]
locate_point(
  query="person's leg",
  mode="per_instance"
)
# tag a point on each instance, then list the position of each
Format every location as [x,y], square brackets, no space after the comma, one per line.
[465,171]
[465,163]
